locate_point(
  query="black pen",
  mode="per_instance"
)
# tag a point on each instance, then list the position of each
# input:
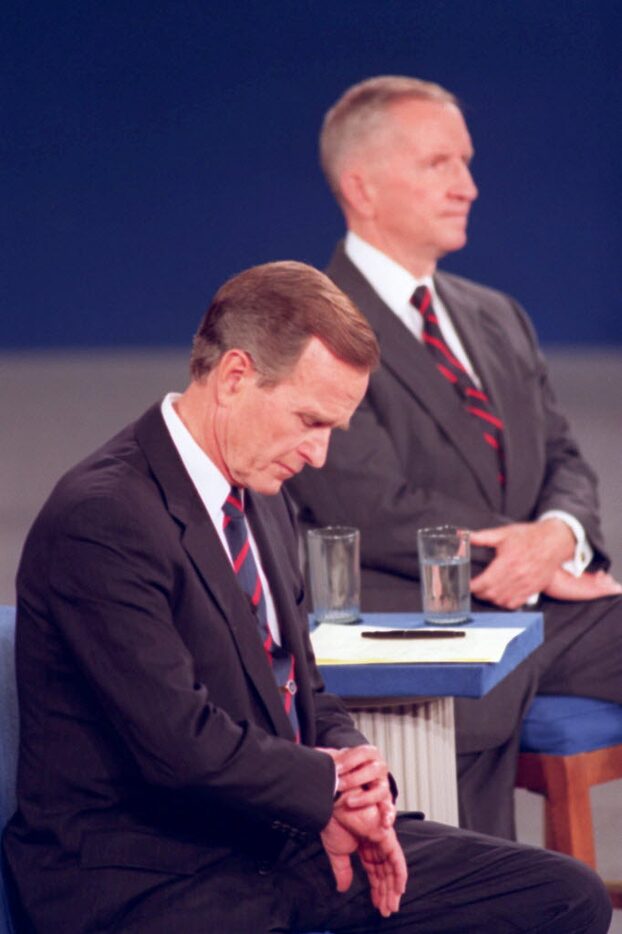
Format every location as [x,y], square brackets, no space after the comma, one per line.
[412,634]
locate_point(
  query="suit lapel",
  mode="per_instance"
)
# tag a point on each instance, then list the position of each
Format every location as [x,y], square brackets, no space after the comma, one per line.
[202,544]
[414,367]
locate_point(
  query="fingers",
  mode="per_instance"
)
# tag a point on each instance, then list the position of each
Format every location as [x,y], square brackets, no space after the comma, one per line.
[605,584]
[496,587]
[376,793]
[365,830]
[371,773]
[528,554]
[341,865]
[487,538]
[388,813]
[504,583]
[358,766]
[589,586]
[339,843]
[362,823]
[387,872]
[380,883]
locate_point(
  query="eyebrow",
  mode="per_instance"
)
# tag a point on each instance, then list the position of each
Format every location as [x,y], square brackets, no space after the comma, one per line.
[319,420]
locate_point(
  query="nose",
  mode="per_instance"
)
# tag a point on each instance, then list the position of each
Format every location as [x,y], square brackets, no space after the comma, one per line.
[315,449]
[463,185]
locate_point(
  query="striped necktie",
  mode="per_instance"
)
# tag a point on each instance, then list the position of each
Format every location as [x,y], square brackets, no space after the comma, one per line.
[238,541]
[476,401]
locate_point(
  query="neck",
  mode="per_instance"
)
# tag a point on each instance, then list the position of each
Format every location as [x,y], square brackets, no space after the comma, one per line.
[417,264]
[197,410]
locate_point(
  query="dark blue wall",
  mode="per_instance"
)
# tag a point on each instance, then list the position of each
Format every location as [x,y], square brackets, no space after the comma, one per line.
[151,149]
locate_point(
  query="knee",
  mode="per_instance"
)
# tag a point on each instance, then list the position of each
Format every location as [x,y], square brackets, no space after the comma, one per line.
[585,900]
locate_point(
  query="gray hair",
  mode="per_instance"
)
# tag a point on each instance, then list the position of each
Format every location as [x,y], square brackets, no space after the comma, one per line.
[359,115]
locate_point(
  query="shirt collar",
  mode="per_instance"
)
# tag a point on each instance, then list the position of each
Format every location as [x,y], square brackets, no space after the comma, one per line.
[394,284]
[212,487]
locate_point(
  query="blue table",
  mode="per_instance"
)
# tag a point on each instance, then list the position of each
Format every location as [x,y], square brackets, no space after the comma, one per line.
[407,710]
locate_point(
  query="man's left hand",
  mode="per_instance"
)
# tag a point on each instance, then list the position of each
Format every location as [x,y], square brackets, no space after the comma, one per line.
[528,554]
[589,586]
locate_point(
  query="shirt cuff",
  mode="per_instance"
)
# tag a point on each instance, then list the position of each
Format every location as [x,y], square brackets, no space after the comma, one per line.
[583,552]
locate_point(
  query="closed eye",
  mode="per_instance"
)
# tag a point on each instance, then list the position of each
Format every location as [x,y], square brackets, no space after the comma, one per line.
[311,421]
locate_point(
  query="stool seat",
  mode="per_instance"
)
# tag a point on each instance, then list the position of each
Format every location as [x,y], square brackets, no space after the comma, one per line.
[558,725]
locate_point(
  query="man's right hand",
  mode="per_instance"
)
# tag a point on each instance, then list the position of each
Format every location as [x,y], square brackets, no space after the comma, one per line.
[527,556]
[363,779]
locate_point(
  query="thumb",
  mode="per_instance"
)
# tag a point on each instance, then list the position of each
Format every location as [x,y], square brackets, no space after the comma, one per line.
[342,870]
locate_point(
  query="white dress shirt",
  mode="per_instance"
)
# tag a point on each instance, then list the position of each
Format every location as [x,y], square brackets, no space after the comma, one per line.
[395,286]
[213,489]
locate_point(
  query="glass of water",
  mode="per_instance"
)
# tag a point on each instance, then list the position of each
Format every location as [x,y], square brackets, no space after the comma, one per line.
[445,562]
[335,573]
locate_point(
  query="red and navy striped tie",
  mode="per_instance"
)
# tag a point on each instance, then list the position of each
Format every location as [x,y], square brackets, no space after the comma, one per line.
[281,661]
[476,401]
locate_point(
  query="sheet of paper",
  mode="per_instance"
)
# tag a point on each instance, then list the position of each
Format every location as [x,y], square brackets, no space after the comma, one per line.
[343,645]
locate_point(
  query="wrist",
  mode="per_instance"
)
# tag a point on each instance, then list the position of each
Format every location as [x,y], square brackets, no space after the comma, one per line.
[562,537]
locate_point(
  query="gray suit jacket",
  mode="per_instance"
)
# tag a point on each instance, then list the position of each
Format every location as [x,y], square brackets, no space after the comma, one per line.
[412,456]
[154,743]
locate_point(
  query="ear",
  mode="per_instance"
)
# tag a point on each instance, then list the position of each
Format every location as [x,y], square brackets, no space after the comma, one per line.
[235,370]
[357,192]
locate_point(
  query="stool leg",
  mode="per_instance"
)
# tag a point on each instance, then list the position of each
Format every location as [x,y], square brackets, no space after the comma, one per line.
[568,811]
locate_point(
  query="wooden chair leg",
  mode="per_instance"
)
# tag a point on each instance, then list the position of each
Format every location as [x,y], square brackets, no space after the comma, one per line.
[568,813]
[565,782]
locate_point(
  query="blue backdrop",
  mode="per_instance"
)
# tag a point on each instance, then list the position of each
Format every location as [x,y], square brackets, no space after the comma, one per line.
[152,149]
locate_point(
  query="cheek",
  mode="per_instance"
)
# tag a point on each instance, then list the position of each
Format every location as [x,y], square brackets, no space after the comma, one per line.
[267,443]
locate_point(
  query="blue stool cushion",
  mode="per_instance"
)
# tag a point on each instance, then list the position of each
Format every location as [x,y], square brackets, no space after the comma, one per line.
[562,726]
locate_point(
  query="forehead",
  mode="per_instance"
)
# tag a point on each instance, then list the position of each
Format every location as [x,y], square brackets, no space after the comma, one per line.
[319,378]
[427,125]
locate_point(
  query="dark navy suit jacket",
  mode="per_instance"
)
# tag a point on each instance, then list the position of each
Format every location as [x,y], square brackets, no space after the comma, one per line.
[154,741]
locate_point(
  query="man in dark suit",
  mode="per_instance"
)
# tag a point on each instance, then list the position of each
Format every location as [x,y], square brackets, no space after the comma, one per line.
[459,426]
[181,766]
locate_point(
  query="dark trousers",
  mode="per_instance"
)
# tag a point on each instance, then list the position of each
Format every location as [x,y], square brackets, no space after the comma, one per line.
[458,882]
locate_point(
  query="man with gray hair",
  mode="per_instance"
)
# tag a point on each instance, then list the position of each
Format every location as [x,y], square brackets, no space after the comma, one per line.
[459,425]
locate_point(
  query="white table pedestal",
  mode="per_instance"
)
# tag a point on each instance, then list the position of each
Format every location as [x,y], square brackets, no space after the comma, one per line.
[417,739]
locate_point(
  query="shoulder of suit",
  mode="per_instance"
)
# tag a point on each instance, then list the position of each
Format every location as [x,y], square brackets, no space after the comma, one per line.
[109,473]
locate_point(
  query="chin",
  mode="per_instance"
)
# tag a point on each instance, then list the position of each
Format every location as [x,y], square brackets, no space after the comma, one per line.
[267,486]
[454,243]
